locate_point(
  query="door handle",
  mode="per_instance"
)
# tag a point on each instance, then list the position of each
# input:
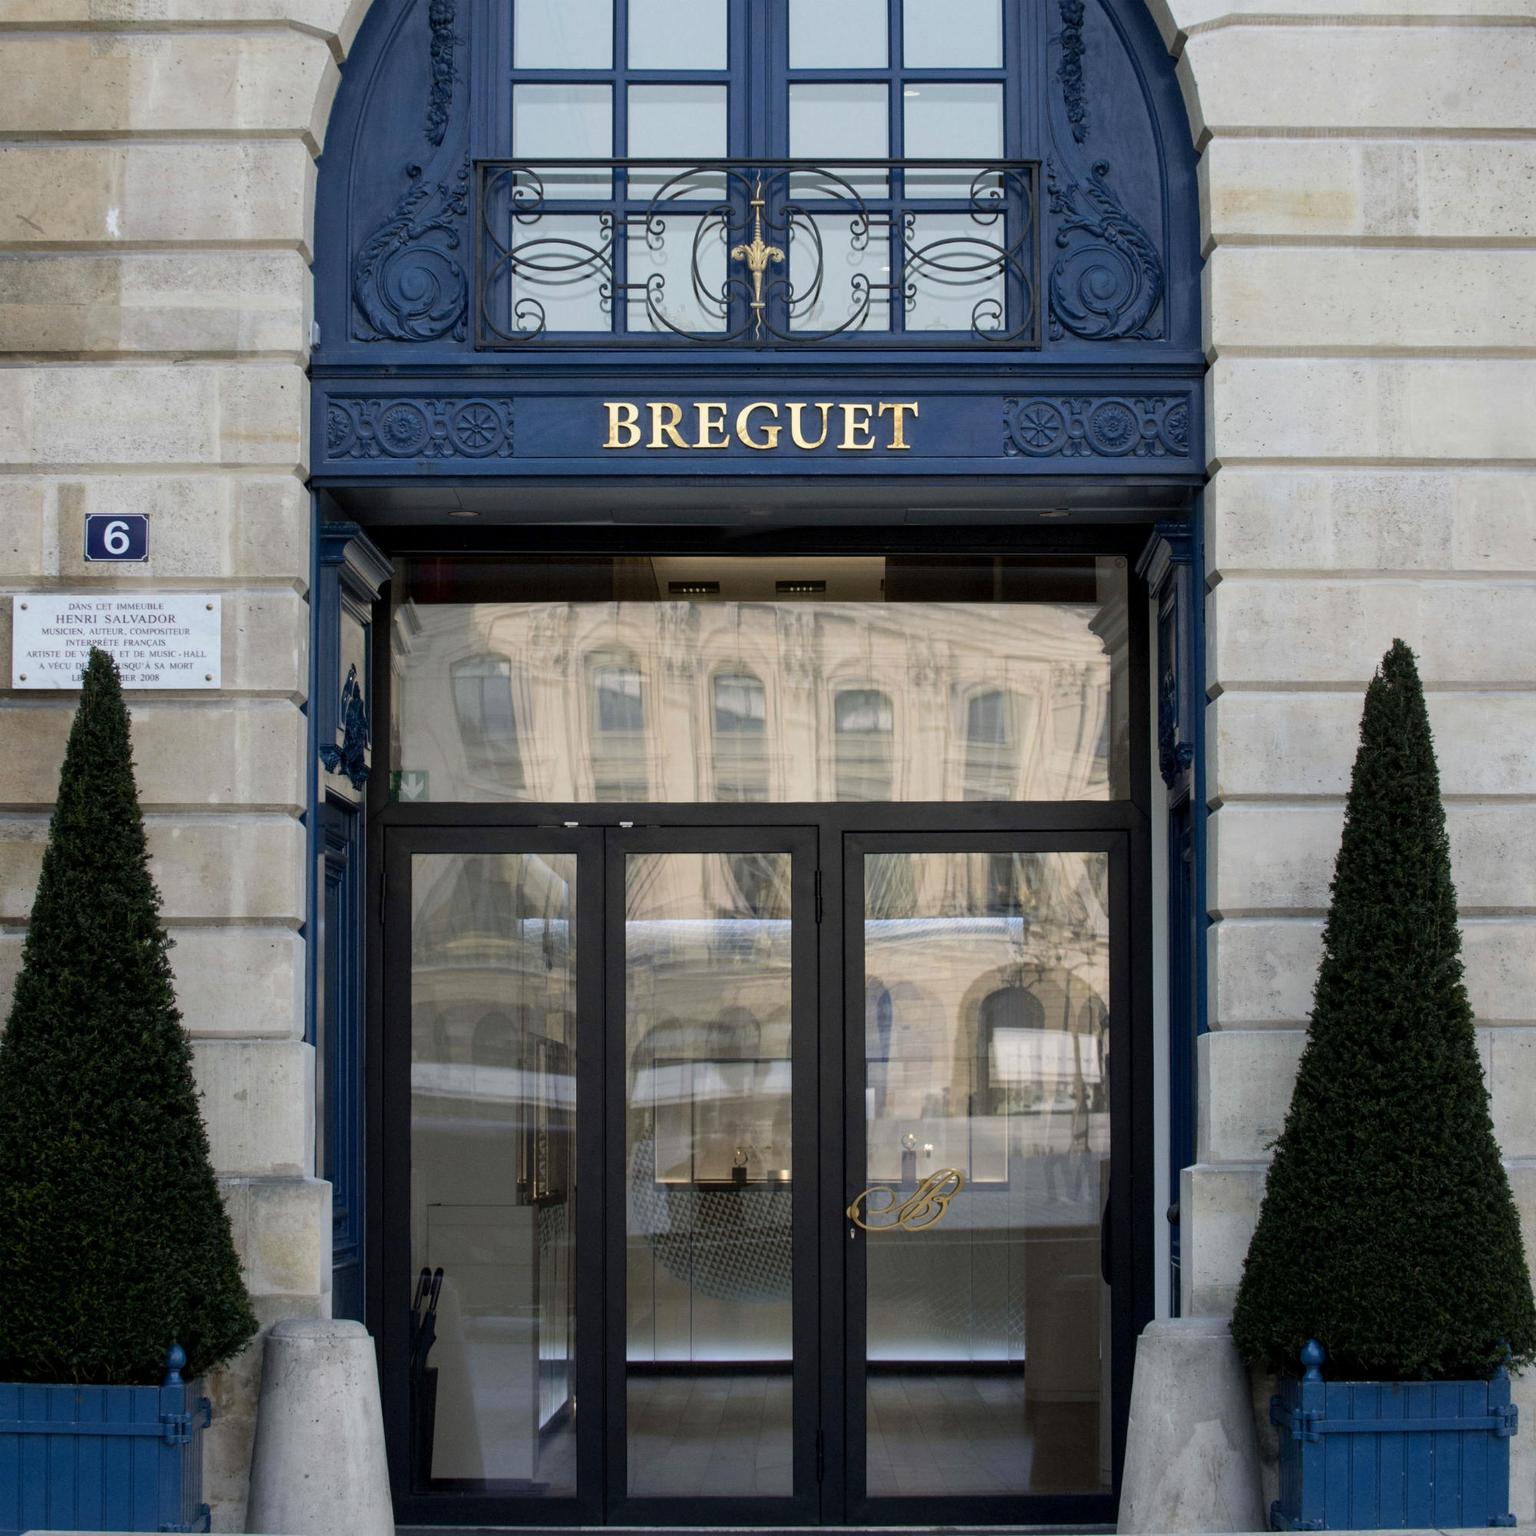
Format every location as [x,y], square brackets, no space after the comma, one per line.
[881,1209]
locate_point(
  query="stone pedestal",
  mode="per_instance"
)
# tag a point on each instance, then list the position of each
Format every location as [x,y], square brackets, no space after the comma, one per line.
[1191,1459]
[319,1465]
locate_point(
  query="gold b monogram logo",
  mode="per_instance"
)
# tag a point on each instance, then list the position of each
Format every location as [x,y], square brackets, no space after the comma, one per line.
[923,1208]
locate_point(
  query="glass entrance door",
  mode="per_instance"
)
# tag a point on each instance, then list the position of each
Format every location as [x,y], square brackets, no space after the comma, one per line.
[712,1174]
[983,974]
[706,1204]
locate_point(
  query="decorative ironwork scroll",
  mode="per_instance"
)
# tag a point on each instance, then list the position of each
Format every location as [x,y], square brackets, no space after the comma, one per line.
[757,253]
[1108,280]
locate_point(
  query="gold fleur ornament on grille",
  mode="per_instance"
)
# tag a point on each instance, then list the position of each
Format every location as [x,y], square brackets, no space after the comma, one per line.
[757,255]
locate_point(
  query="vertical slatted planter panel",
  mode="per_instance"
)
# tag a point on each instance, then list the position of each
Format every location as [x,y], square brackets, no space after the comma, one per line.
[1368,1455]
[79,1458]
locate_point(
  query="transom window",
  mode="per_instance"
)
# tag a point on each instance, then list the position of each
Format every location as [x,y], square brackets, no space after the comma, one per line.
[756,172]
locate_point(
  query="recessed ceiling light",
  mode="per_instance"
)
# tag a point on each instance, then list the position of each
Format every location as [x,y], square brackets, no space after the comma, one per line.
[692,588]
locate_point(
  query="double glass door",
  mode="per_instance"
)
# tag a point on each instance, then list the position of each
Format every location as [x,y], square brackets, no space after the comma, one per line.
[754,1174]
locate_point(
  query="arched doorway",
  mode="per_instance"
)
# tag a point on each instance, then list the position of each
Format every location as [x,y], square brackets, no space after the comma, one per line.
[762,413]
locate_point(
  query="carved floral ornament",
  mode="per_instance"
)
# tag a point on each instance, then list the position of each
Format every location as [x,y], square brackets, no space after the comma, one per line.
[1082,426]
[418,427]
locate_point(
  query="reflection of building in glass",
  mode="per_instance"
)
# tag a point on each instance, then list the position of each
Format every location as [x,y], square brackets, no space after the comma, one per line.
[986,1052]
[493,1097]
[688,701]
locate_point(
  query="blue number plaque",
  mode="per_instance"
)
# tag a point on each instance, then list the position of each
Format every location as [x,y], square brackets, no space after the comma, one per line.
[117,536]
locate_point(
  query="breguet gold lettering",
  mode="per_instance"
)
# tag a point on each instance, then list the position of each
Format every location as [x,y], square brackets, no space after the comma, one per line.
[759,425]
[666,417]
[898,421]
[711,415]
[856,421]
[796,436]
[623,416]
[770,437]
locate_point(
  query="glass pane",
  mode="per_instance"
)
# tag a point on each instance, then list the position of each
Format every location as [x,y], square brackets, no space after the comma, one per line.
[671,297]
[855,275]
[571,122]
[954,274]
[558,276]
[952,34]
[848,35]
[830,122]
[944,121]
[562,34]
[708,1169]
[987,1119]
[677,34]
[688,121]
[1006,678]
[566,122]
[493,1170]
[683,120]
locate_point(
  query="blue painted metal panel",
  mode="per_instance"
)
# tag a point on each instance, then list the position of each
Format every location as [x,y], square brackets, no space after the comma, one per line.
[473,429]
[348,572]
[1090,96]
[87,1458]
[1363,1455]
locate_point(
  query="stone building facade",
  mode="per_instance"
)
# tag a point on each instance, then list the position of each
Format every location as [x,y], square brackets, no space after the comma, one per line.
[1367,179]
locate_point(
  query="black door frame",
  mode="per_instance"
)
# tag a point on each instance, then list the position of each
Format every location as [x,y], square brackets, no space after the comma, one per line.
[829,1458]
[390,1153]
[721,835]
[1132,1239]
[862,1507]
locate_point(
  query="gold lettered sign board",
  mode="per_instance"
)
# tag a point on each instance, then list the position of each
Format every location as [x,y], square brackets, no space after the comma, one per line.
[765,426]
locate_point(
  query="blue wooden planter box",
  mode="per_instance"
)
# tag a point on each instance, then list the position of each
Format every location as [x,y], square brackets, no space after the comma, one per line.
[78,1458]
[1387,1455]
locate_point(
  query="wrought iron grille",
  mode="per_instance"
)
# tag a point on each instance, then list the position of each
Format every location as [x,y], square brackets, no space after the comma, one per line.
[757,253]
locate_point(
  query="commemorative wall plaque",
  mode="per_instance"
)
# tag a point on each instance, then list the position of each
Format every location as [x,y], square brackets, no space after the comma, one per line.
[157,639]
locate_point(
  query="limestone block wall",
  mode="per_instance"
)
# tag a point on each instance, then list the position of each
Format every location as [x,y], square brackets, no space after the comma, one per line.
[1369,206]
[1369,203]
[156,206]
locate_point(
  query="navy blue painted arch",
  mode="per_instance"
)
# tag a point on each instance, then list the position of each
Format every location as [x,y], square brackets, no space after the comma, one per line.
[1110,383]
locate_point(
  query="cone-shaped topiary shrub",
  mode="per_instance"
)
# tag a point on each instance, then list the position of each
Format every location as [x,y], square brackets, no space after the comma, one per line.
[1388,1232]
[114,1243]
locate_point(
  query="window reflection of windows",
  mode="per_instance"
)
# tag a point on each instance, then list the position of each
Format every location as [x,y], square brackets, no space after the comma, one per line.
[740,723]
[482,700]
[864,724]
[1004,885]
[991,765]
[618,733]
[1013,1058]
